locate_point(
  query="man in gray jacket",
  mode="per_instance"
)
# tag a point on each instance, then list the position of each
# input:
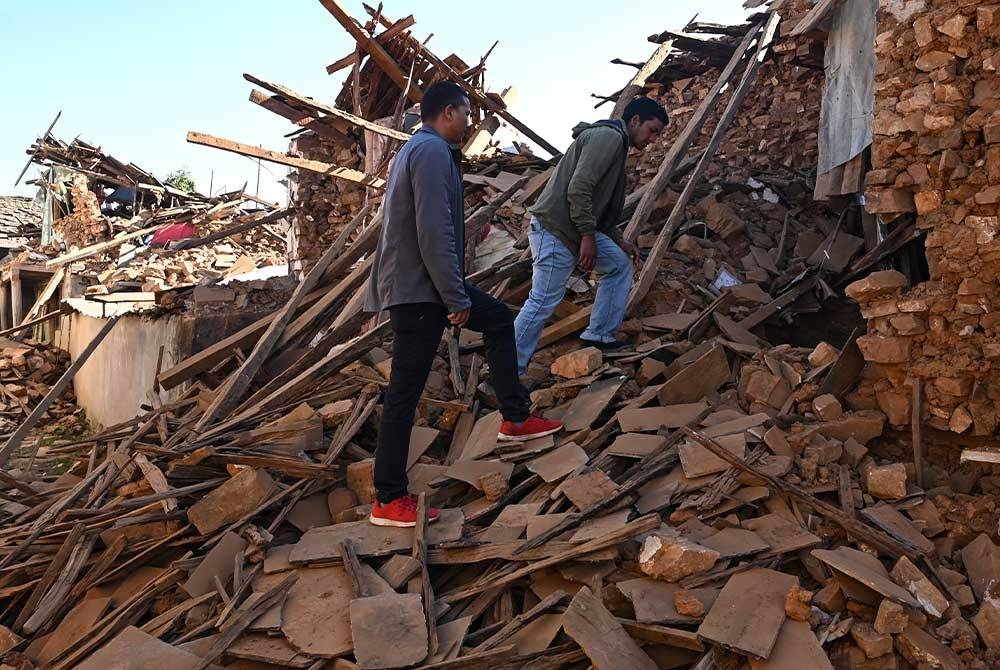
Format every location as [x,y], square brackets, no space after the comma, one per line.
[418,275]
[575,223]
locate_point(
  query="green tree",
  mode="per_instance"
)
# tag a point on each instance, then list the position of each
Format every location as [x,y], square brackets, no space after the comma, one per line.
[181,179]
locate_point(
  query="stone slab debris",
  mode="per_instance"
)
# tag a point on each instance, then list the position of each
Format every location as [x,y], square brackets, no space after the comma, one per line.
[389,631]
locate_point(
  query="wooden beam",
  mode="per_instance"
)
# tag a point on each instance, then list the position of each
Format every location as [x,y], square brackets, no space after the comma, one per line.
[382,38]
[681,145]
[45,295]
[815,16]
[335,112]
[284,159]
[638,83]
[565,327]
[489,103]
[57,390]
[386,62]
[29,324]
[16,297]
[329,127]
[652,265]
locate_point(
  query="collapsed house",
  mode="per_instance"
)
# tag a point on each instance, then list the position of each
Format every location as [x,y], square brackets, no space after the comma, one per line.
[736,489]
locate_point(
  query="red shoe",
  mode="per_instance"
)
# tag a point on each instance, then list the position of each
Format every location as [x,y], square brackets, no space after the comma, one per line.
[531,428]
[400,513]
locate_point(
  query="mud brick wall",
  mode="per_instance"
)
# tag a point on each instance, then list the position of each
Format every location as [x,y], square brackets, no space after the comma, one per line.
[777,125]
[324,204]
[936,156]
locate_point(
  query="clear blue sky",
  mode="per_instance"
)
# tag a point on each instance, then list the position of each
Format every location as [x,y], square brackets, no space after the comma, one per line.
[134,77]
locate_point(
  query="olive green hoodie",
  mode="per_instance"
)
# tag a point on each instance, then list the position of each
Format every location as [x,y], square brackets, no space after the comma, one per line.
[587,190]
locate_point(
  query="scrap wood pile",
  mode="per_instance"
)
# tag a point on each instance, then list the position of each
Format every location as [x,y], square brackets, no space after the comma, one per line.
[106,212]
[715,501]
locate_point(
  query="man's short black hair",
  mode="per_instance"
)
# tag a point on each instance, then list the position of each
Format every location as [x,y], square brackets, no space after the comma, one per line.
[647,109]
[437,98]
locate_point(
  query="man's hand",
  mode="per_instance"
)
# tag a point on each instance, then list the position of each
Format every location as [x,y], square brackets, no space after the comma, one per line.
[632,249]
[459,318]
[588,253]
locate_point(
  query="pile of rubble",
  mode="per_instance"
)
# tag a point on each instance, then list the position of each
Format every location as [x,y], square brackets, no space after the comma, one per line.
[28,371]
[718,498]
[108,218]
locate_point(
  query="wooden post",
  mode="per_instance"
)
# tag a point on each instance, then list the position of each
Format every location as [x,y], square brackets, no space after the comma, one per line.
[652,264]
[386,62]
[16,307]
[5,323]
[916,420]
[638,82]
[681,145]
[47,292]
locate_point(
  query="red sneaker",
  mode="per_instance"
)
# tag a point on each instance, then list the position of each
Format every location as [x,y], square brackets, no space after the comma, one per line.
[400,513]
[531,428]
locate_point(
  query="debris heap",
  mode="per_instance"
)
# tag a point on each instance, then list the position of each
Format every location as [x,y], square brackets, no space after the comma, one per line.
[719,498]
[107,214]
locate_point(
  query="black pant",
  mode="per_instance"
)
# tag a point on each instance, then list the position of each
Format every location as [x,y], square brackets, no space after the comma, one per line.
[417,330]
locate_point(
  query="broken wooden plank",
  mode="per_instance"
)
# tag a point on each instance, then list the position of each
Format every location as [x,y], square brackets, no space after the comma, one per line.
[378,53]
[638,82]
[680,146]
[236,386]
[316,105]
[601,637]
[328,169]
[889,519]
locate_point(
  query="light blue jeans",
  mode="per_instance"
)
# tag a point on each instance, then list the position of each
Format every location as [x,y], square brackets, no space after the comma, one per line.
[553,265]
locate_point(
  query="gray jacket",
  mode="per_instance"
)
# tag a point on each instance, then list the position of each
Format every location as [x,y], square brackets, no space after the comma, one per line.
[421,252]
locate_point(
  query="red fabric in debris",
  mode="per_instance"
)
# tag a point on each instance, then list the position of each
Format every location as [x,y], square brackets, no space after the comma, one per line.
[172,233]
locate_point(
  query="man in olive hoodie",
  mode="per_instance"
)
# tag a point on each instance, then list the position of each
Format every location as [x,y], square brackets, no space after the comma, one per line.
[575,222]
